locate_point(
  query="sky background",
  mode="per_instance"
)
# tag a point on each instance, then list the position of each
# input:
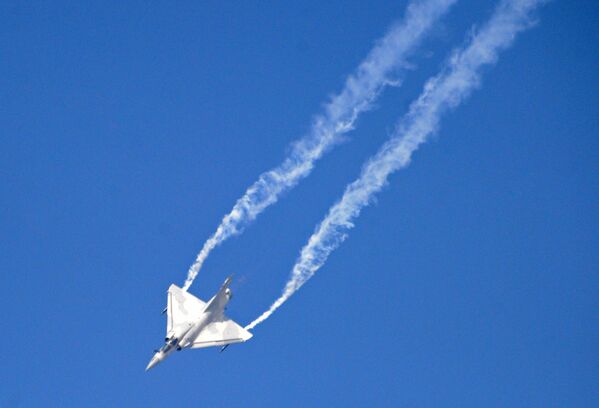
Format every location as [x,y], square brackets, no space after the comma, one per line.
[128,129]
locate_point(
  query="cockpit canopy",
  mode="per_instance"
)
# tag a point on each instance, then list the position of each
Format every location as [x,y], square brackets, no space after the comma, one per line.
[169,345]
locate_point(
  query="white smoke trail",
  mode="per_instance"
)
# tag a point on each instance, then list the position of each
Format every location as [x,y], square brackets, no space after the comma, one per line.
[340,114]
[442,92]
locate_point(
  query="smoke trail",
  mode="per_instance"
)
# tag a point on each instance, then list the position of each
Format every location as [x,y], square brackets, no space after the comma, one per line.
[442,92]
[340,114]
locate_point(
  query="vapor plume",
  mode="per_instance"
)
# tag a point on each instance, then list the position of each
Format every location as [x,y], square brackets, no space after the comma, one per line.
[459,76]
[360,90]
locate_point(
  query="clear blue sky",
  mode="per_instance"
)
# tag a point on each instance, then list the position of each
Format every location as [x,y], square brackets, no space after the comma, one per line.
[128,129]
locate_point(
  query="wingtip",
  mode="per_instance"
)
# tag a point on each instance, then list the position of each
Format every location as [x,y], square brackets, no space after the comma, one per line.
[247,335]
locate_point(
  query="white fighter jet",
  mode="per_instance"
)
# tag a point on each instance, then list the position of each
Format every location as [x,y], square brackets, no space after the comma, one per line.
[192,323]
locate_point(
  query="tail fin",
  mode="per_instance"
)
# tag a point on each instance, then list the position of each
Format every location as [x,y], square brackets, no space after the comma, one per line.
[222,297]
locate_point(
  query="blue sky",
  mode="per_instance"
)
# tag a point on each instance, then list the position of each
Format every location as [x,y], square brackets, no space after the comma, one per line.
[128,130]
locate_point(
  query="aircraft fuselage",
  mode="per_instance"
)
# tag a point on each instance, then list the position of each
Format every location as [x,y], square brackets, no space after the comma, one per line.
[183,335]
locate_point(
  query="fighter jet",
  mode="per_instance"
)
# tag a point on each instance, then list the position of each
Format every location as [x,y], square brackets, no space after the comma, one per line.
[192,323]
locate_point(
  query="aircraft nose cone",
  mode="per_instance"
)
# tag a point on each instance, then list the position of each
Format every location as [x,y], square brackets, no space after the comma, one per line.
[153,362]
